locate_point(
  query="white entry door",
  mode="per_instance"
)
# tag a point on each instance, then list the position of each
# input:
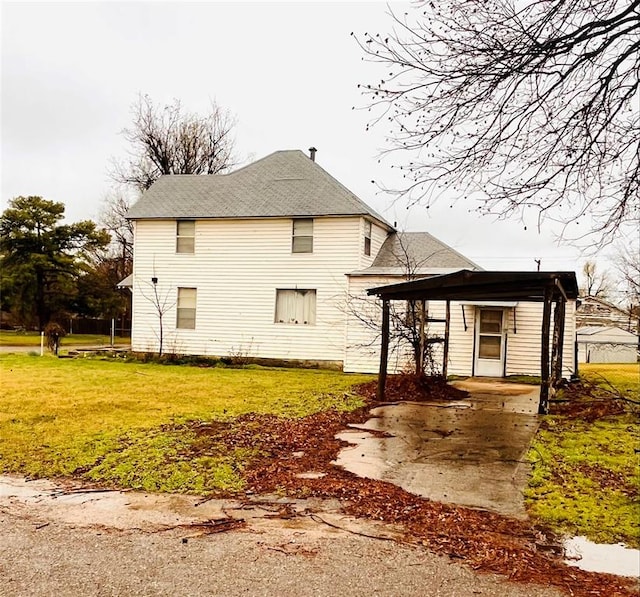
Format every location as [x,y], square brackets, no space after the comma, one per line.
[489,357]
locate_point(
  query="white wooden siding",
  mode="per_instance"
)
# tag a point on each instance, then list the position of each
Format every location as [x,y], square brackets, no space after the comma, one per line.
[524,346]
[362,352]
[237,267]
[460,340]
[239,264]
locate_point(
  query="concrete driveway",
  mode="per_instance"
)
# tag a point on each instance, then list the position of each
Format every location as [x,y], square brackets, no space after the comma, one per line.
[468,452]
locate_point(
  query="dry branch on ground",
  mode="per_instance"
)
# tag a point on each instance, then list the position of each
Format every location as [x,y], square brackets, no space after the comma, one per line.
[486,541]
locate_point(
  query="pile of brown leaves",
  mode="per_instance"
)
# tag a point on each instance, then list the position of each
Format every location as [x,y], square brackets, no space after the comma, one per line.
[486,541]
[416,388]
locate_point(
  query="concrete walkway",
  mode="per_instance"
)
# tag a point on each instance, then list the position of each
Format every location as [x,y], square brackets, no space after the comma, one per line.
[468,452]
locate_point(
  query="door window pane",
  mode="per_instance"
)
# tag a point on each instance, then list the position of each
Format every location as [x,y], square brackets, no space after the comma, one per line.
[490,322]
[489,347]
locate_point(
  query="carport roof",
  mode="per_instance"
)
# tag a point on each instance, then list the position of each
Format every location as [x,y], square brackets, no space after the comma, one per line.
[483,285]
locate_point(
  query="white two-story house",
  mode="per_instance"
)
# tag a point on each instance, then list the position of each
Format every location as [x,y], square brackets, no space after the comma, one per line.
[263,261]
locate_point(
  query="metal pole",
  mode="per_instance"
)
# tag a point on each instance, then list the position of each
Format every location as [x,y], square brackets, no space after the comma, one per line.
[41,344]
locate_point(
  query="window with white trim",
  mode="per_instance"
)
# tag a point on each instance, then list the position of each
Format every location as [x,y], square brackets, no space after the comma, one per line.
[186,308]
[367,237]
[296,306]
[185,236]
[302,237]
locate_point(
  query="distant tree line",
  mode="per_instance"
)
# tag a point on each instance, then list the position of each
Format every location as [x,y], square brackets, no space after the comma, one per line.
[50,270]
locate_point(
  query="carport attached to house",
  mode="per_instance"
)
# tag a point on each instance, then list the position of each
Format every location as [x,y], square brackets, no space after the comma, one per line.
[550,288]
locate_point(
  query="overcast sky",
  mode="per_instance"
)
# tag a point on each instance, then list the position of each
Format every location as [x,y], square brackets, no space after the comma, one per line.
[288,71]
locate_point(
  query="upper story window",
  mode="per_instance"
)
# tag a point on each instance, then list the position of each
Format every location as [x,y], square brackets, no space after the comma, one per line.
[185,236]
[186,308]
[367,237]
[302,241]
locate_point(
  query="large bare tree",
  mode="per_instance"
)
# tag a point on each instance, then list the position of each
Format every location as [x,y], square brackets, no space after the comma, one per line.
[594,282]
[113,218]
[170,140]
[528,105]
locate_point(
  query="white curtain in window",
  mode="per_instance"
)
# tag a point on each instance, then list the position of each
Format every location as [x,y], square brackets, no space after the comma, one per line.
[296,306]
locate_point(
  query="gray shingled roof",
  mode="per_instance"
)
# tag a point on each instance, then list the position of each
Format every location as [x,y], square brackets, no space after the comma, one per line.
[283,184]
[418,253]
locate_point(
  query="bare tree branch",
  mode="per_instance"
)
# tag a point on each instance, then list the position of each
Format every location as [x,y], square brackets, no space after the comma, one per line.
[113,218]
[531,106]
[594,282]
[169,140]
[406,318]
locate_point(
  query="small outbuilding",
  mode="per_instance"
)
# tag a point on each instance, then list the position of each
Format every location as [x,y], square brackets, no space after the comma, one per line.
[606,344]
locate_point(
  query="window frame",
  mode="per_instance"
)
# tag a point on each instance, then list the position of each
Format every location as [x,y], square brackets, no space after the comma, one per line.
[182,246]
[296,235]
[489,337]
[299,295]
[180,310]
[368,228]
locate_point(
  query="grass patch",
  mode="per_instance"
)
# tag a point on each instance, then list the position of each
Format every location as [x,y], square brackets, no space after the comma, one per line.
[585,478]
[534,380]
[12,338]
[121,423]
[625,377]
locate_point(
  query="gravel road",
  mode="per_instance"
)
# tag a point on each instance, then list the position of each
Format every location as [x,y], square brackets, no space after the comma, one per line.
[55,542]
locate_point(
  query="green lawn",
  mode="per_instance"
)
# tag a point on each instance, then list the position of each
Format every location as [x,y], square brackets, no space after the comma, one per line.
[103,419]
[11,338]
[586,475]
[624,377]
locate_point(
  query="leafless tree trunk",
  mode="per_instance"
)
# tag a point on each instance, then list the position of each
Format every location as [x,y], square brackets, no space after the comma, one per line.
[162,302]
[530,106]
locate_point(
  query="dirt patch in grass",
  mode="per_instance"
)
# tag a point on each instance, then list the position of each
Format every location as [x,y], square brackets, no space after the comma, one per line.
[288,448]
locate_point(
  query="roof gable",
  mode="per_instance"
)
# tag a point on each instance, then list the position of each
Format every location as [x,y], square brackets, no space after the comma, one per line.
[415,253]
[283,184]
